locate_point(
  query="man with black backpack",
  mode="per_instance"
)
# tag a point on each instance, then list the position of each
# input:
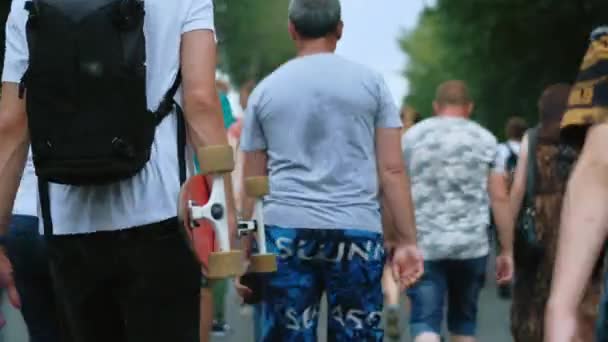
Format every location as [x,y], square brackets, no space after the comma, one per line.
[93,85]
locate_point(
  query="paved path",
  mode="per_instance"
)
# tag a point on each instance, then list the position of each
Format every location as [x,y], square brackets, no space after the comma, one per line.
[493,318]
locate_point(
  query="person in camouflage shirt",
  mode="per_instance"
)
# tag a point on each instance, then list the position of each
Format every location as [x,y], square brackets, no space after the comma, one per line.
[450,160]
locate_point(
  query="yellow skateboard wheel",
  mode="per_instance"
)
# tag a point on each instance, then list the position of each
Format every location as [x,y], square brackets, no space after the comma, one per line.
[216,159]
[257,187]
[263,263]
[225,264]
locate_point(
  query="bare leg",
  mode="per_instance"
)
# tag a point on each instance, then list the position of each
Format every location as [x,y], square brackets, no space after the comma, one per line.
[428,337]
[206,314]
[456,338]
[390,287]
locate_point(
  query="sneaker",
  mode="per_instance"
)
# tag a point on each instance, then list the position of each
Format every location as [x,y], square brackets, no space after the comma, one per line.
[220,328]
[393,331]
[246,310]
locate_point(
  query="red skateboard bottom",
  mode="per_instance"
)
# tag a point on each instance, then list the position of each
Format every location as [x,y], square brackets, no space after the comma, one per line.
[201,237]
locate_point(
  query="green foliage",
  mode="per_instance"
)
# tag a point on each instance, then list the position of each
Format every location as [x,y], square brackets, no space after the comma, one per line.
[507,50]
[253,37]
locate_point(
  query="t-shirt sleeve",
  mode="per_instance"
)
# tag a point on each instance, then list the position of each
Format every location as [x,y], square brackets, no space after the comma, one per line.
[492,152]
[388,113]
[16,51]
[252,136]
[500,162]
[200,16]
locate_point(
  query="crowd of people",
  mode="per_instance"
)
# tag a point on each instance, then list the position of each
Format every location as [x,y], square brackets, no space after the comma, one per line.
[366,202]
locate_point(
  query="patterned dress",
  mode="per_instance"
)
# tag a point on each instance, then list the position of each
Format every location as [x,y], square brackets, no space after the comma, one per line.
[534,271]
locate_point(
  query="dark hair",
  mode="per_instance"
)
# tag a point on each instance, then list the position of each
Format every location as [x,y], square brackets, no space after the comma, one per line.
[552,106]
[516,128]
[416,118]
[315,18]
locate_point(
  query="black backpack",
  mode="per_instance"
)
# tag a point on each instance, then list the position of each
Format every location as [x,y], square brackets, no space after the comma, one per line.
[511,160]
[86,90]
[525,230]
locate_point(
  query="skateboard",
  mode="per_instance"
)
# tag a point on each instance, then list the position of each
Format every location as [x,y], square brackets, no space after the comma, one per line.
[203,217]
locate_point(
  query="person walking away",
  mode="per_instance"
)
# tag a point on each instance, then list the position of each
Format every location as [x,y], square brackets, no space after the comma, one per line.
[107,133]
[450,159]
[326,131]
[32,288]
[506,162]
[583,230]
[542,156]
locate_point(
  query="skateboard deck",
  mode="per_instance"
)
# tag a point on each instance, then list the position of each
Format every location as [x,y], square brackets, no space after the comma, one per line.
[200,234]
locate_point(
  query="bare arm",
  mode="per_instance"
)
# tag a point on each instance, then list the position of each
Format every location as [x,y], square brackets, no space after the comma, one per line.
[584,226]
[501,208]
[202,107]
[518,188]
[254,165]
[395,184]
[13,149]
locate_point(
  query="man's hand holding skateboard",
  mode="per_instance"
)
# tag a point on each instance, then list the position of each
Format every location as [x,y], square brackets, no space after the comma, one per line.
[209,219]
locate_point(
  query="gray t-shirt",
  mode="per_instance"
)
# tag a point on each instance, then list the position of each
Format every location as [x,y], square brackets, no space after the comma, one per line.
[449,161]
[316,118]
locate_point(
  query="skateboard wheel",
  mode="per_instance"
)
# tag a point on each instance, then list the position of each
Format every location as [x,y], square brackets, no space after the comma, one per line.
[216,159]
[225,264]
[256,187]
[263,263]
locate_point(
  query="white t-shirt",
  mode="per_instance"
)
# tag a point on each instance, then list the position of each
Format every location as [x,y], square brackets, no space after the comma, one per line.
[504,152]
[151,195]
[27,196]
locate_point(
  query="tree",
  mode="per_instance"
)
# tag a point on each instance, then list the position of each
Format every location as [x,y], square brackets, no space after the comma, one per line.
[253,38]
[507,50]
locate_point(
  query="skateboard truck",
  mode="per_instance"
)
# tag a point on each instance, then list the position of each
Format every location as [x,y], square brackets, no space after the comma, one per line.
[216,161]
[262,262]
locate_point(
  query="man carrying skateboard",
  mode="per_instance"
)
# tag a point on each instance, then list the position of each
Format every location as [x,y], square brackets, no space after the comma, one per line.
[327,133]
[94,86]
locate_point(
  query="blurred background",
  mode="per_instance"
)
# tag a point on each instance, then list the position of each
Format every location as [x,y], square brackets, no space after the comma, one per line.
[506,50]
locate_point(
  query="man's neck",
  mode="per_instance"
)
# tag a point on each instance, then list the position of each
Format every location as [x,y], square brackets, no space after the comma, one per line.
[453,111]
[316,46]
[452,114]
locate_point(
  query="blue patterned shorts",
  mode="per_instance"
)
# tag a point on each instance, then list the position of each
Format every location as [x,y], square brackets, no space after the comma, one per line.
[347,265]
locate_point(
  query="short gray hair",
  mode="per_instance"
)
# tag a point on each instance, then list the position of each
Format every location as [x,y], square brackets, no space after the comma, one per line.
[315,18]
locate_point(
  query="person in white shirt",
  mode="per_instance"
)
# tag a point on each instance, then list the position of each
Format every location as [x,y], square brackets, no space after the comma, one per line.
[508,151]
[505,164]
[121,267]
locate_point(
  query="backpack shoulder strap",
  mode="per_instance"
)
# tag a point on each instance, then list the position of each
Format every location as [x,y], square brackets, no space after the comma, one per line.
[531,167]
